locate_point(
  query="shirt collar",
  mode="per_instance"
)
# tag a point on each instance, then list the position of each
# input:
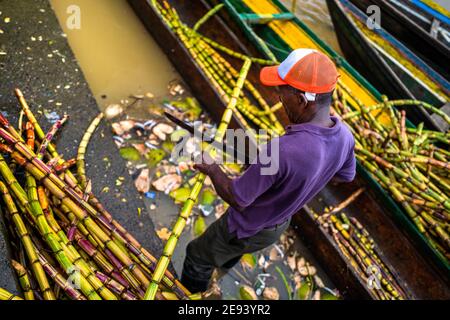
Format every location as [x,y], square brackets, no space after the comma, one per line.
[307,126]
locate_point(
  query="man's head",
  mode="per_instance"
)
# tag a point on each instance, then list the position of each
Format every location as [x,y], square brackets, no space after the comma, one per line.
[307,79]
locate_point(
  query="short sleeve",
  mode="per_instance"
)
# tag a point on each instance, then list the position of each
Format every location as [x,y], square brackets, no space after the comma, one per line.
[255,180]
[348,171]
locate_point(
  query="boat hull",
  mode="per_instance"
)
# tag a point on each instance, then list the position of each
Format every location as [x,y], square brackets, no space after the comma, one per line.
[386,75]
[413,34]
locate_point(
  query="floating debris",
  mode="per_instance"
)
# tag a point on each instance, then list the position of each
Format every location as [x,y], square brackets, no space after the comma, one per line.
[247,293]
[163,183]
[161,130]
[163,234]
[271,293]
[113,111]
[142,183]
[199,226]
[130,154]
[52,117]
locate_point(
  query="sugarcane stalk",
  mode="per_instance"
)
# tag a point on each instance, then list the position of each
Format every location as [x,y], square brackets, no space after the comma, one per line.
[173,283]
[5,295]
[68,256]
[49,136]
[23,233]
[188,205]
[347,201]
[404,103]
[208,15]
[24,281]
[79,212]
[81,170]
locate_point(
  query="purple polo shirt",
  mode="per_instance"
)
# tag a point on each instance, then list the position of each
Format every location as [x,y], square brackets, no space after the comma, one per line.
[309,156]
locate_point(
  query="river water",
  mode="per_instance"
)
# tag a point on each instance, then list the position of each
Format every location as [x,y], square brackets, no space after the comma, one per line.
[115,51]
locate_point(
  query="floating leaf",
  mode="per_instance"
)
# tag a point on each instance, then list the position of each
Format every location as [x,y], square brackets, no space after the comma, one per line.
[130,154]
[208,197]
[142,182]
[199,226]
[163,233]
[248,261]
[172,181]
[247,293]
[328,296]
[167,146]
[178,134]
[180,194]
[182,105]
[194,108]
[304,291]
[155,156]
[161,130]
[271,293]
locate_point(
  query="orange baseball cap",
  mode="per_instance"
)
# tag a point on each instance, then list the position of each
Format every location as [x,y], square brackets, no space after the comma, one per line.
[305,69]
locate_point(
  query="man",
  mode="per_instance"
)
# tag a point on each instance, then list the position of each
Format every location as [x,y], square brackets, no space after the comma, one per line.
[315,149]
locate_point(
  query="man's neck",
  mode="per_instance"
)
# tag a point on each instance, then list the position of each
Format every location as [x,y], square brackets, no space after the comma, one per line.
[320,118]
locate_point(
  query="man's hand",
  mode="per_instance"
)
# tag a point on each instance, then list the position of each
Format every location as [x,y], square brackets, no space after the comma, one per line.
[222,184]
[205,163]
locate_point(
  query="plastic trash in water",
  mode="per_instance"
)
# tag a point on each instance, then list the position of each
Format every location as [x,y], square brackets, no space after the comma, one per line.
[261,283]
[206,209]
[52,117]
[150,195]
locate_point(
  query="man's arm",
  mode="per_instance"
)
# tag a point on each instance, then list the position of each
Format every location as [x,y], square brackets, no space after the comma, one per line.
[221,183]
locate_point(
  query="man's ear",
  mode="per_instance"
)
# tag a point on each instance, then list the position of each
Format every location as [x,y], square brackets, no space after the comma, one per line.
[302,99]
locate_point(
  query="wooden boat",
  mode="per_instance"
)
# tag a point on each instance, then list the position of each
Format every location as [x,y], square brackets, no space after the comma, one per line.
[388,64]
[423,26]
[417,275]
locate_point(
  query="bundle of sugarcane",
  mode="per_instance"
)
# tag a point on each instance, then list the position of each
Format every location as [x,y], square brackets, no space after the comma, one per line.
[66,244]
[251,106]
[412,164]
[358,247]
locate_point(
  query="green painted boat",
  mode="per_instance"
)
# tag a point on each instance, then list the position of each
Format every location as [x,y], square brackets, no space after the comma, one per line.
[280,36]
[423,26]
[389,64]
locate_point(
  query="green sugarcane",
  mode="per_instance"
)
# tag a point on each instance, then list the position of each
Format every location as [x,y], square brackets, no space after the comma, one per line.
[5,295]
[22,231]
[24,281]
[81,170]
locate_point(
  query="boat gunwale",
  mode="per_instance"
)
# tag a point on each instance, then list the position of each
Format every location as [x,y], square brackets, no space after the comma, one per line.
[401,48]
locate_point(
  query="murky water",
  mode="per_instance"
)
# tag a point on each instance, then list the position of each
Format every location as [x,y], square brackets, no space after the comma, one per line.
[314,13]
[115,51]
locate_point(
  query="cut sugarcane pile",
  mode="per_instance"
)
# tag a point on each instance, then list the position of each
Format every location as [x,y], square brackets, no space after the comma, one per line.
[411,164]
[67,244]
[221,73]
[361,252]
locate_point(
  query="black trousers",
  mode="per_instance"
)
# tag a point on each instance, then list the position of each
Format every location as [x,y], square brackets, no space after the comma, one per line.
[218,248]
